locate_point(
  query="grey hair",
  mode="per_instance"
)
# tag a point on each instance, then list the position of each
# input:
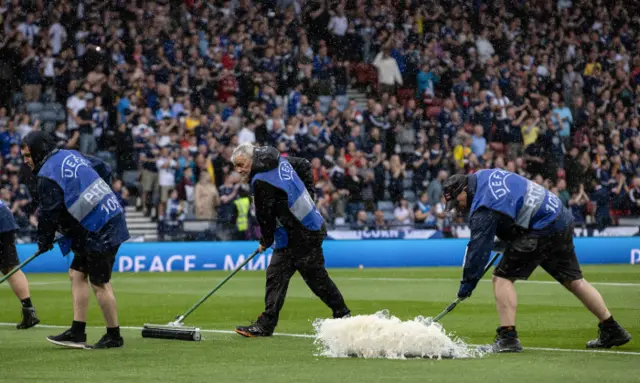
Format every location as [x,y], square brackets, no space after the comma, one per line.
[243,150]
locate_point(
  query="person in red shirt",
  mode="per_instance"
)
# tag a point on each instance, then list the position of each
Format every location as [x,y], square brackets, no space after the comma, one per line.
[229,58]
[228,86]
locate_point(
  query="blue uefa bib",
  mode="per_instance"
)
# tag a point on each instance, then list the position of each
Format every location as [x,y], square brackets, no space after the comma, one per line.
[299,201]
[87,197]
[530,205]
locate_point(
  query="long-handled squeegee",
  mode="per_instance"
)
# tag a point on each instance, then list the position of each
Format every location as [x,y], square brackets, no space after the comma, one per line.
[176,329]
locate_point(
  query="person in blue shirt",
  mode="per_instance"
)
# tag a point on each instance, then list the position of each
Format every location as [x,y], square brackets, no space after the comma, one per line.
[284,192]
[75,199]
[7,138]
[8,260]
[538,231]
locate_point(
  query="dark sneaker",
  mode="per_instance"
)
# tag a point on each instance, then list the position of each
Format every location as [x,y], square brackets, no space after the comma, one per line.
[609,336]
[107,341]
[69,339]
[253,331]
[342,314]
[29,318]
[506,340]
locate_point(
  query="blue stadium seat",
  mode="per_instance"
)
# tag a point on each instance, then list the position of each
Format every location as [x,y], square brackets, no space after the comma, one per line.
[385,205]
[34,107]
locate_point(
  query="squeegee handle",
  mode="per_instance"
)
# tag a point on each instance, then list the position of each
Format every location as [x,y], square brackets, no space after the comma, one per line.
[192,309]
[23,264]
[455,303]
[447,310]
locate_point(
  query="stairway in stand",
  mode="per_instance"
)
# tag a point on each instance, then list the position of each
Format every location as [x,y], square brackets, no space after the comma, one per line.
[140,227]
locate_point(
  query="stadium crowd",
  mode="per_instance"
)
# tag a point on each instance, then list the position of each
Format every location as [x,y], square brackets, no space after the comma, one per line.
[165,90]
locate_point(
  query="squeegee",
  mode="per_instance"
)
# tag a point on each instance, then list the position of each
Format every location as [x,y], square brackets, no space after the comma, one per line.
[176,329]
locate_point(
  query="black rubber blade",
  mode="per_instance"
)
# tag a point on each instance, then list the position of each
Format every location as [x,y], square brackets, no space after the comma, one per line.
[170,332]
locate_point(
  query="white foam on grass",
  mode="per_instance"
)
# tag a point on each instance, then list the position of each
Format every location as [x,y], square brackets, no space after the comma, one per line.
[382,335]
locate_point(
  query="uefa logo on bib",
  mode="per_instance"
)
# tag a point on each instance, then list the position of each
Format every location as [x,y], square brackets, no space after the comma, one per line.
[71,164]
[285,171]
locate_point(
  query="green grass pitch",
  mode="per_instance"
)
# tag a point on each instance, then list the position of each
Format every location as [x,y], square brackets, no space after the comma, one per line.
[549,317]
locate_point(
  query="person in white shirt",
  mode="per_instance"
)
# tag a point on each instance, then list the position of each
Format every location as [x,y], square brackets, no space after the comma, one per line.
[338,23]
[500,103]
[402,214]
[29,29]
[57,36]
[75,104]
[167,166]
[388,72]
[24,127]
[484,47]
[247,134]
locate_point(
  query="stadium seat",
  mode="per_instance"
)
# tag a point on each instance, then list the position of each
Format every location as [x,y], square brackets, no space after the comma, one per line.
[385,205]
[409,174]
[409,195]
[49,126]
[54,107]
[130,178]
[34,107]
[388,216]
[62,116]
[17,98]
[48,115]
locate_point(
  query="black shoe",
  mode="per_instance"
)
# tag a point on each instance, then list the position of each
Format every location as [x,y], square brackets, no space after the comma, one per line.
[609,336]
[506,340]
[342,314]
[69,339]
[107,341]
[254,330]
[29,318]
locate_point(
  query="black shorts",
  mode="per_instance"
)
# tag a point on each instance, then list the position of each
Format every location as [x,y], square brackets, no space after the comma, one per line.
[555,254]
[97,265]
[8,253]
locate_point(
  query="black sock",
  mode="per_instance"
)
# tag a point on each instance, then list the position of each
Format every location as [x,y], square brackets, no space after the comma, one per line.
[78,327]
[113,331]
[609,321]
[507,329]
[26,303]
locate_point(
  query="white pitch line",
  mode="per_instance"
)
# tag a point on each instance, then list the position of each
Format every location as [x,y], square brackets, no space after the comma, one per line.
[384,279]
[309,336]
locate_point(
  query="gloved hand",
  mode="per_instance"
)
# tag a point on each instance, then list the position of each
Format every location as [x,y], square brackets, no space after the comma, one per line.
[466,288]
[44,247]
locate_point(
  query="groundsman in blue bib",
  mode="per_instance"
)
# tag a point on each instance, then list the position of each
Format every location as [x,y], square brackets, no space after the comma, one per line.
[538,231]
[76,200]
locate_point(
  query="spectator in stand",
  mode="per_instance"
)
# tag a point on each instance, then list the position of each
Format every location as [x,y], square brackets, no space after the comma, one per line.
[423,212]
[204,87]
[361,222]
[634,197]
[206,198]
[402,214]
[121,192]
[388,72]
[379,222]
[478,143]
[149,177]
[186,190]
[435,189]
[167,166]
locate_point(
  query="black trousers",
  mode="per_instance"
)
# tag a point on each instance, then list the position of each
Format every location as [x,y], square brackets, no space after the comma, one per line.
[310,263]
